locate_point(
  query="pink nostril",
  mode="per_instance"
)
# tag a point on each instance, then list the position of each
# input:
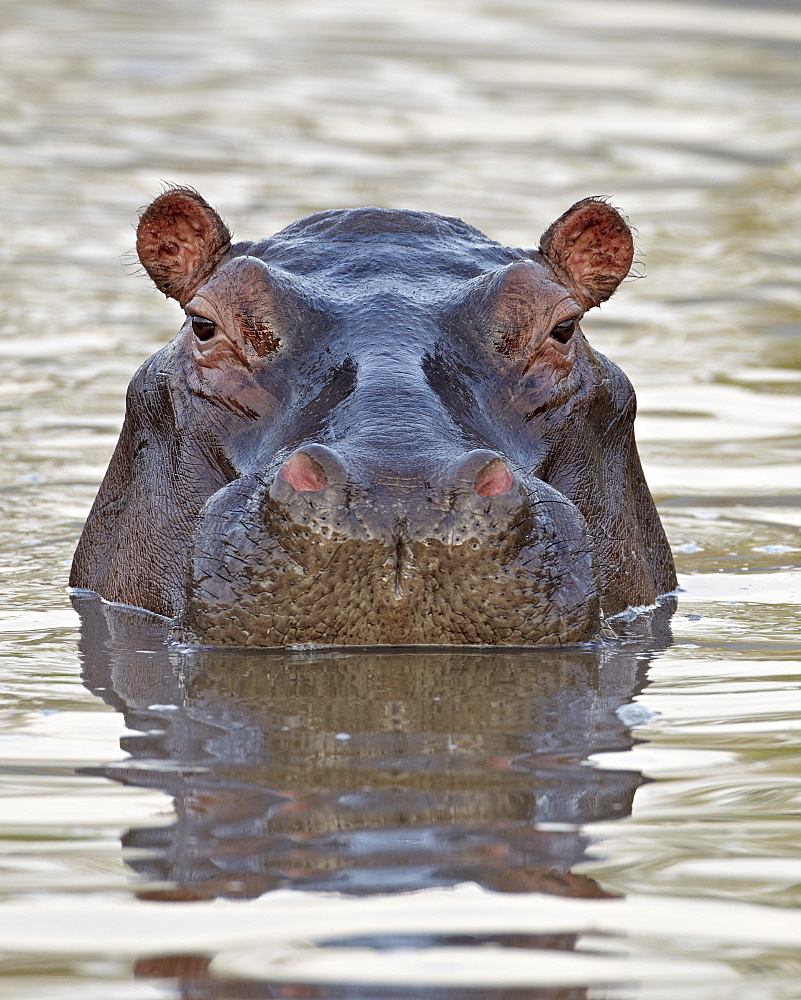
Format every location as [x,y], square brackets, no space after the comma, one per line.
[494,479]
[304,474]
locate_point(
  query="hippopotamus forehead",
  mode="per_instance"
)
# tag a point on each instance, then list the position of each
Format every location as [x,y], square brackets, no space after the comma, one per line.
[345,249]
[367,224]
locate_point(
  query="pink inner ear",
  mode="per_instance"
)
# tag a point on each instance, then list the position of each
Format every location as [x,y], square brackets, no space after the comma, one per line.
[304,474]
[494,479]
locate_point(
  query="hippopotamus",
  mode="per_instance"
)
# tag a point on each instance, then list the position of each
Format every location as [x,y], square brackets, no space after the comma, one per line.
[378,427]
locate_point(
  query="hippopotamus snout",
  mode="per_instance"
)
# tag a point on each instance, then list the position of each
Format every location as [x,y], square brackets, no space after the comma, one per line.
[319,487]
[457,547]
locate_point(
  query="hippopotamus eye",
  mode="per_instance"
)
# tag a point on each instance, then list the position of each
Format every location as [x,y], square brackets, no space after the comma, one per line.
[564,331]
[203,329]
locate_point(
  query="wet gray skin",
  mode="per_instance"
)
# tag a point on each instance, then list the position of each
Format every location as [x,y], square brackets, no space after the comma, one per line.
[378,427]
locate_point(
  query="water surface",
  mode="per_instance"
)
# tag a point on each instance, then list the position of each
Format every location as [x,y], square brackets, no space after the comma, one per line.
[594,823]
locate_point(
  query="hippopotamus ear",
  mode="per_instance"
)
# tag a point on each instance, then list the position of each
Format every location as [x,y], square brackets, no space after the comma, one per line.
[180,240]
[591,244]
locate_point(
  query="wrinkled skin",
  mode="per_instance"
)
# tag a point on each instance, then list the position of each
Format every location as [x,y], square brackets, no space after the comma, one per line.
[378,427]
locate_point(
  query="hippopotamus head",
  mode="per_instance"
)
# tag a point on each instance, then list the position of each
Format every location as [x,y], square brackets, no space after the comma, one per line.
[378,427]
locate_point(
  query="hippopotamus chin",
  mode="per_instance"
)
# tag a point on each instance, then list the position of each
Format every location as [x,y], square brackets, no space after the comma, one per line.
[378,427]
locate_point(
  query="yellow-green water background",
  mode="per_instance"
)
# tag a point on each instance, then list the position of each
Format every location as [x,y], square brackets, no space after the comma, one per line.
[688,116]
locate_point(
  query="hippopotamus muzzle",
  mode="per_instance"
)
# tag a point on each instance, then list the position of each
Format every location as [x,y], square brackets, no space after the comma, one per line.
[378,427]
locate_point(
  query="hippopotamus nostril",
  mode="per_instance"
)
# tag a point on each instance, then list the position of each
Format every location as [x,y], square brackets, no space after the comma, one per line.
[313,468]
[304,474]
[494,479]
[484,471]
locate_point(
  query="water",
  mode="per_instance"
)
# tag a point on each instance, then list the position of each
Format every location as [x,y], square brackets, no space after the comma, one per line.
[618,824]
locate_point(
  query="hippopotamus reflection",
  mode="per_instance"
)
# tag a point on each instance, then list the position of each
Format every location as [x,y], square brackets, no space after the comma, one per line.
[378,427]
[363,771]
